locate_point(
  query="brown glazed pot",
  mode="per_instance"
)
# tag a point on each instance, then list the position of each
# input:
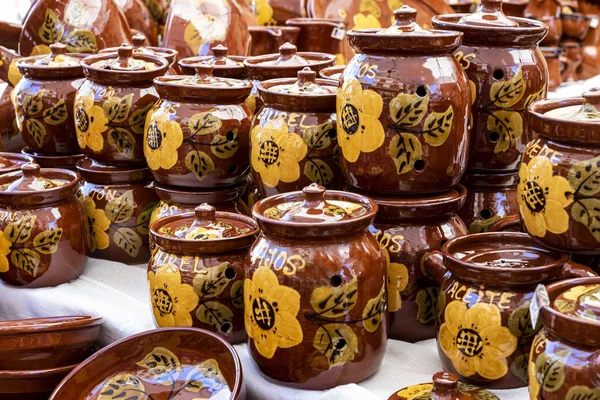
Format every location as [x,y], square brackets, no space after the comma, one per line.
[559,188]
[574,53]
[333,73]
[84,26]
[140,19]
[139,46]
[215,368]
[53,161]
[490,197]
[33,384]
[267,39]
[575,26]
[568,347]
[224,65]
[321,35]
[118,203]
[445,386]
[198,134]
[41,343]
[515,8]
[112,104]
[315,290]
[403,109]
[8,70]
[488,279]
[294,141]
[44,241]
[407,230]
[548,12]
[499,58]
[462,6]
[175,201]
[44,101]
[556,66]
[10,137]
[196,277]
[11,162]
[10,33]
[590,66]
[193,28]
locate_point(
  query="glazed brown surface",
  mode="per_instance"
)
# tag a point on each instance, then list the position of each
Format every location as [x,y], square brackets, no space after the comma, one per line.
[556,65]
[321,35]
[267,39]
[140,19]
[10,162]
[548,12]
[445,385]
[53,161]
[11,139]
[31,385]
[574,53]
[224,65]
[591,46]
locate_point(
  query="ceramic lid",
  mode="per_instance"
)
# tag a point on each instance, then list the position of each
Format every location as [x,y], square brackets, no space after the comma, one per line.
[47,324]
[124,66]
[575,120]
[139,46]
[223,65]
[581,302]
[67,161]
[10,162]
[57,64]
[314,212]
[95,172]
[445,386]
[488,14]
[405,36]
[306,85]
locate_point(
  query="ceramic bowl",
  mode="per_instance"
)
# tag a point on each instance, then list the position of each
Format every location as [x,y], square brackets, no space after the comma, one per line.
[193,362]
[575,25]
[31,385]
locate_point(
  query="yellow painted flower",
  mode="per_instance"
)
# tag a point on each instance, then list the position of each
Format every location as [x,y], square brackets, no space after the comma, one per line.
[90,123]
[415,391]
[362,21]
[475,340]
[276,153]
[97,223]
[574,293]
[264,12]
[543,198]
[397,280]
[162,139]
[359,129]
[14,76]
[4,251]
[534,385]
[172,301]
[270,310]
[40,49]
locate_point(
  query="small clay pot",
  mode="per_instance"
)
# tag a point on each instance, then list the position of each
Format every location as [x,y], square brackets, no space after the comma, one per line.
[506,70]
[557,180]
[294,140]
[463,6]
[10,137]
[574,26]
[45,237]
[44,100]
[557,64]
[321,35]
[590,66]
[515,8]
[206,253]
[33,384]
[333,73]
[445,386]
[484,327]
[574,53]
[118,204]
[547,12]
[139,46]
[403,109]
[11,162]
[569,342]
[112,104]
[53,161]
[224,66]
[267,39]
[490,198]
[198,134]
[315,290]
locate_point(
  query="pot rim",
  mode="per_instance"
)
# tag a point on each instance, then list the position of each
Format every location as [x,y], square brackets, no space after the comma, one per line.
[224,193]
[315,59]
[302,21]
[369,41]
[17,159]
[66,161]
[49,324]
[46,72]
[123,77]
[111,174]
[169,90]
[37,373]
[227,71]
[474,180]
[49,196]
[320,102]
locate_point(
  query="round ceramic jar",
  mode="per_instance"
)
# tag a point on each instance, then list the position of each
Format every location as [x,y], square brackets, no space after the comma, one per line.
[68,161]
[11,162]
[139,47]
[565,356]
[112,104]
[445,385]
[44,98]
[403,109]
[196,277]
[198,134]
[506,72]
[224,66]
[118,203]
[44,237]
[490,197]
[293,142]
[487,283]
[286,64]
[559,185]
[315,290]
[407,230]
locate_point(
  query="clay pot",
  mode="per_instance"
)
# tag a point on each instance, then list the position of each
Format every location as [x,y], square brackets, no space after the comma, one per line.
[548,12]
[112,104]
[490,197]
[574,53]
[499,55]
[399,132]
[445,386]
[139,46]
[10,34]
[569,342]
[333,73]
[294,141]
[159,10]
[205,252]
[175,201]
[407,230]
[44,227]
[84,26]
[10,137]
[315,250]
[198,134]
[463,6]
[558,188]
[267,39]
[590,66]
[140,19]
[321,35]
[515,8]
[53,161]
[284,10]
[575,26]
[193,28]
[11,162]
[557,64]
[118,203]
[32,384]
[44,101]
[484,329]
[224,66]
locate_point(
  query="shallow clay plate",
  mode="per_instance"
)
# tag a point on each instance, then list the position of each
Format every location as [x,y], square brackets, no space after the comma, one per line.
[163,364]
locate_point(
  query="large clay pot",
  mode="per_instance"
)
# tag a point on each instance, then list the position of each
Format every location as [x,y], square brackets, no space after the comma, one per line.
[140,19]
[84,26]
[403,109]
[507,72]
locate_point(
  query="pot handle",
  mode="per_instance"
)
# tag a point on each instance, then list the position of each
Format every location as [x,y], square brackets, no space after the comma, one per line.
[508,223]
[576,270]
[434,263]
[593,369]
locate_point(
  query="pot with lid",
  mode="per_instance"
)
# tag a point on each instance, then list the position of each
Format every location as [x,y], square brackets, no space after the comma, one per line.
[138,42]
[445,386]
[224,65]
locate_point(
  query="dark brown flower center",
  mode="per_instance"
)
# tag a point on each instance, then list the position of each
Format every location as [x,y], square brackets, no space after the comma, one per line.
[154,138]
[469,342]
[264,314]
[82,120]
[269,152]
[163,301]
[534,197]
[350,119]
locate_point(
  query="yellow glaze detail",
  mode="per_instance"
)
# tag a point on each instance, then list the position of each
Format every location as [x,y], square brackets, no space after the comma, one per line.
[172,301]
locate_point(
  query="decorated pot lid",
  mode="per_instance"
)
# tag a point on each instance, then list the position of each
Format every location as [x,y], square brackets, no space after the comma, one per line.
[488,14]
[96,172]
[305,85]
[139,46]
[58,63]
[582,302]
[405,36]
[445,386]
[223,65]
[10,162]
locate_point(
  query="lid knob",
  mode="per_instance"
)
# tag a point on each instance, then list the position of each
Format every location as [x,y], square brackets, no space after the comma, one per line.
[287,50]
[125,52]
[58,48]
[405,19]
[205,214]
[306,75]
[30,171]
[314,195]
[489,14]
[445,386]
[138,40]
[592,97]
[204,71]
[220,51]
